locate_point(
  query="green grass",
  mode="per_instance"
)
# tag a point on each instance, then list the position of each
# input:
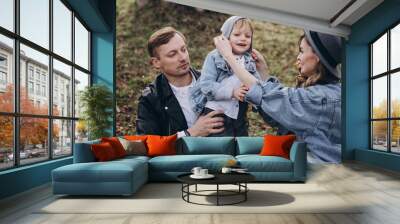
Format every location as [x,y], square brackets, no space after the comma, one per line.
[134,26]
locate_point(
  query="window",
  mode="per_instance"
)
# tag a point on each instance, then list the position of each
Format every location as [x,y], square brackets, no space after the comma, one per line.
[44,91]
[37,74]
[3,78]
[54,125]
[81,45]
[385,94]
[55,102]
[81,81]
[3,61]
[7,14]
[30,87]
[38,89]
[6,73]
[62,75]
[34,22]
[7,142]
[62,140]
[3,71]
[30,72]
[62,29]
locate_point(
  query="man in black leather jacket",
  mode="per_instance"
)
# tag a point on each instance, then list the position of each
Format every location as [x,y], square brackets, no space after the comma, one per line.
[164,107]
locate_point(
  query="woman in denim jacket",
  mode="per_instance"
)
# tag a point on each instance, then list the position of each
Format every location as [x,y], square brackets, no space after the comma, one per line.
[218,88]
[313,110]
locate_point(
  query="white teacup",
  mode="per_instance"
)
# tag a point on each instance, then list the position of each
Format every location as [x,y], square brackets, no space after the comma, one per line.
[196,170]
[203,172]
[226,170]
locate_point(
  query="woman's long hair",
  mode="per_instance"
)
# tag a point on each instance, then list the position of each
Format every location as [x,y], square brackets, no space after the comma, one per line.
[321,76]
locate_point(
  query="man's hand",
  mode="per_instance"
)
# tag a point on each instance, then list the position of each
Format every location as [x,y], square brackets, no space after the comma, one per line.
[240,92]
[207,124]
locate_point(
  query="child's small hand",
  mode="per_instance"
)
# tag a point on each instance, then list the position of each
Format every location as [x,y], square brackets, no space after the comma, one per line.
[240,92]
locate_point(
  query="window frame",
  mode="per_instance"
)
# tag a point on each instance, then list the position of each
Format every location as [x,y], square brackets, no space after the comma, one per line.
[388,74]
[16,114]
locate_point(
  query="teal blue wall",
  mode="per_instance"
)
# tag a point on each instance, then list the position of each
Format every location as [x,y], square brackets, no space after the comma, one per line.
[24,178]
[103,55]
[356,94]
[99,16]
[103,64]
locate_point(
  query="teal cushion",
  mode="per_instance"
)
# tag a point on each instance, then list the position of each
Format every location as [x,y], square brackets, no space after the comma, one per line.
[185,163]
[257,163]
[133,157]
[207,145]
[111,171]
[249,145]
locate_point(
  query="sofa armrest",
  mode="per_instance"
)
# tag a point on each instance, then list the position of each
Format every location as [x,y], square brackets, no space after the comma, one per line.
[83,152]
[298,155]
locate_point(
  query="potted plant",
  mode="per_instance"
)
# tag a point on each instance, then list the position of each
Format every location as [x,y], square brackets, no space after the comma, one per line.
[96,102]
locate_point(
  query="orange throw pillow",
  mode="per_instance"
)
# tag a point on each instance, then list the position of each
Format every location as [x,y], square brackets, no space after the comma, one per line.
[277,145]
[136,137]
[103,151]
[161,145]
[116,145]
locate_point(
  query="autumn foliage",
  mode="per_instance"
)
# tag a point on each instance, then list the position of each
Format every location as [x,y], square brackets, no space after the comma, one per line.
[380,127]
[33,130]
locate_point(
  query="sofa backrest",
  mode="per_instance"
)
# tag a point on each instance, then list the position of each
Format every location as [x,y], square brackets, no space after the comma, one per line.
[191,146]
[207,145]
[249,145]
[83,152]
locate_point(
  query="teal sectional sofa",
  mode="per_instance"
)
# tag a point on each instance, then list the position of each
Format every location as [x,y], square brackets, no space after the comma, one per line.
[125,176]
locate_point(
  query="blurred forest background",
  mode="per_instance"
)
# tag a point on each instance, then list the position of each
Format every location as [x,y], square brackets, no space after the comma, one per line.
[138,19]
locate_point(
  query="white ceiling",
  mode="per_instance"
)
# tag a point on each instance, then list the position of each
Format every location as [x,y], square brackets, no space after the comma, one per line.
[322,9]
[317,15]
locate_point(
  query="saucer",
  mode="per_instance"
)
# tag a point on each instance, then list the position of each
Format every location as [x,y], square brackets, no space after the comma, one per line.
[208,176]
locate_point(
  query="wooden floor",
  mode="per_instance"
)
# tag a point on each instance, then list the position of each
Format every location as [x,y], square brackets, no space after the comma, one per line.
[378,188]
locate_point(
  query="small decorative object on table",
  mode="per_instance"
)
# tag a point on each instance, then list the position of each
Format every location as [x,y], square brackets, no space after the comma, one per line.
[230,166]
[231,163]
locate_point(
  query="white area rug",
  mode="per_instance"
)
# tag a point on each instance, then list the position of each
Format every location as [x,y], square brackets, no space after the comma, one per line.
[166,198]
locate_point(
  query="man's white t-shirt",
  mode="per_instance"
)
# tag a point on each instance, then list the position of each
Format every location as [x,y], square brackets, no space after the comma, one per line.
[182,94]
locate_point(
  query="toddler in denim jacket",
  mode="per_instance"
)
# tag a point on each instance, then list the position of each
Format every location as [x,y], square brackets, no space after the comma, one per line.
[218,88]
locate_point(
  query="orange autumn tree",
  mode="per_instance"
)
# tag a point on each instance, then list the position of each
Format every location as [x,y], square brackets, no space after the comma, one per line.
[380,128]
[6,123]
[33,130]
